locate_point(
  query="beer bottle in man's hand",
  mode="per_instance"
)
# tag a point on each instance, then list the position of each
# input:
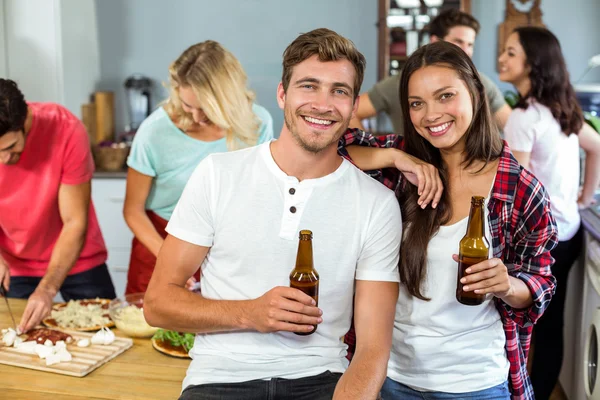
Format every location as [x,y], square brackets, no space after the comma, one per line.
[474,248]
[304,276]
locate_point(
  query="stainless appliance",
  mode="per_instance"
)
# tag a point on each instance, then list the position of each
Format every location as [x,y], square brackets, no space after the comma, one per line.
[137,88]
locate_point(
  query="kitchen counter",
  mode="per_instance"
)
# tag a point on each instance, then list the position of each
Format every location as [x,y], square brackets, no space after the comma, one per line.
[139,373]
[590,218]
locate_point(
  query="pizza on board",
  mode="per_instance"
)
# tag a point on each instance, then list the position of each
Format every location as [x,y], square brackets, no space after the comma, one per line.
[40,335]
[167,348]
[173,343]
[80,315]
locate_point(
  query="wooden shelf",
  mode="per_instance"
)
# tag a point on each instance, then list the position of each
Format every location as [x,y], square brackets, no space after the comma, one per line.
[398,58]
[384,33]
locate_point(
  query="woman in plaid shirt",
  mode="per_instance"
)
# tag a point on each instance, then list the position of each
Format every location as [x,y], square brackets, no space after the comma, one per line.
[443,349]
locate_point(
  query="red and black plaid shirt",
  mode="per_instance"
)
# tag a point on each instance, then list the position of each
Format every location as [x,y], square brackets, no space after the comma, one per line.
[523,233]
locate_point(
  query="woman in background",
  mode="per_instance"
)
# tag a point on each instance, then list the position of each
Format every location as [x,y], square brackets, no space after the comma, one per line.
[545,132]
[209,110]
[442,349]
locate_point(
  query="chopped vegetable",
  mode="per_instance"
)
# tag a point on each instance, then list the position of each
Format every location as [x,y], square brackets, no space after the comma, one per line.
[186,340]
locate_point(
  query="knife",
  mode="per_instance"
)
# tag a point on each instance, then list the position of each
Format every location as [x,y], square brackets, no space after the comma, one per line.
[3,293]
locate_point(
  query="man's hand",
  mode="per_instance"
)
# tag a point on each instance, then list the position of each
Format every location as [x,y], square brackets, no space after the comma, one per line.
[37,308]
[4,274]
[284,309]
[423,175]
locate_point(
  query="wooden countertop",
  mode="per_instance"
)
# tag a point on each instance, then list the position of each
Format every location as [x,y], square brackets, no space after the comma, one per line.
[139,373]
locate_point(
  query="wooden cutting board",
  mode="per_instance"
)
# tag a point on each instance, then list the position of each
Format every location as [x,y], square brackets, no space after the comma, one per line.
[85,359]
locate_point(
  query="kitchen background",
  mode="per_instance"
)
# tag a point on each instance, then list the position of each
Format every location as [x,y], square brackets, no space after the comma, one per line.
[63,50]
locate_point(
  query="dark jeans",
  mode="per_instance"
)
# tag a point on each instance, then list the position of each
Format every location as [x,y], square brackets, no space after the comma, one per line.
[89,284]
[548,331]
[318,387]
[393,390]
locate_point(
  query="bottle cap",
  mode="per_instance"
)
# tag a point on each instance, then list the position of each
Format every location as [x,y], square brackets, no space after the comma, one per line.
[305,232]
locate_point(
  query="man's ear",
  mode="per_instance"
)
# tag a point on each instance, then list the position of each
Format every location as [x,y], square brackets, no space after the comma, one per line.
[280,95]
[355,106]
[433,39]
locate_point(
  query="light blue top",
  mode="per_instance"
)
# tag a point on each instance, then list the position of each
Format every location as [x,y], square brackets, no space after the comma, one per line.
[163,151]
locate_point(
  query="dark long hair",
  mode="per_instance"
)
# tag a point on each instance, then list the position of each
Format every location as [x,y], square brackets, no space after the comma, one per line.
[483,143]
[549,78]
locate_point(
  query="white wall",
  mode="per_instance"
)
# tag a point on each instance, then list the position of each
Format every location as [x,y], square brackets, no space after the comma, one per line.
[51,49]
[145,36]
[80,52]
[32,48]
[3,61]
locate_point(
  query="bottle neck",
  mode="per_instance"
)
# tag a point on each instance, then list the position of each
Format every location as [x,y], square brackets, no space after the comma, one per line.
[476,219]
[304,258]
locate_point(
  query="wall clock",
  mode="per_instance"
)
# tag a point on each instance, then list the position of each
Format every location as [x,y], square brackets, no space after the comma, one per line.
[518,13]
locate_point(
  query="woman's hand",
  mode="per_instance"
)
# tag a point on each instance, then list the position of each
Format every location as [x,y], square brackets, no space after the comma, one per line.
[192,284]
[423,175]
[585,203]
[489,276]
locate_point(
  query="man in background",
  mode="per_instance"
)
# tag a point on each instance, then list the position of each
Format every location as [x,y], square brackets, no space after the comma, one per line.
[452,26]
[50,240]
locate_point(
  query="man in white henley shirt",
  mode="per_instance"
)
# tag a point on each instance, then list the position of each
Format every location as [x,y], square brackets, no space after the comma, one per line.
[239,219]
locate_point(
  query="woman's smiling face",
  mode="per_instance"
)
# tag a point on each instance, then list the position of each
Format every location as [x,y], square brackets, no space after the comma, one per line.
[440,106]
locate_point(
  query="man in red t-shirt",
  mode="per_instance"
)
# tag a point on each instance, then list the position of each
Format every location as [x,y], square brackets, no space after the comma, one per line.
[50,240]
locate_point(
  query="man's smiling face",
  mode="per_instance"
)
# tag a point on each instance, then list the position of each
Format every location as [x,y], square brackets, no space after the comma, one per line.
[319,102]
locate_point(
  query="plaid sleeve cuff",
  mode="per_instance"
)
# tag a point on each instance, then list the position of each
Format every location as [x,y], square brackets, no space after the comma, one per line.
[542,288]
[388,176]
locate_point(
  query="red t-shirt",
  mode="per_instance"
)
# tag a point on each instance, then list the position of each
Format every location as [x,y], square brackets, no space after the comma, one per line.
[57,151]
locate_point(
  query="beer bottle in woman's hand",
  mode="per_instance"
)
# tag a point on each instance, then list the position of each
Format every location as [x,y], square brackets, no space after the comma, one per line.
[474,248]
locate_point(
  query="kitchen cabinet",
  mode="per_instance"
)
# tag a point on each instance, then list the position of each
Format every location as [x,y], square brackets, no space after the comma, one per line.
[401,30]
[108,196]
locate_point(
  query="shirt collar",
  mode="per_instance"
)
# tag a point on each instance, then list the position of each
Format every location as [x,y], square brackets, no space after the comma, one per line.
[507,177]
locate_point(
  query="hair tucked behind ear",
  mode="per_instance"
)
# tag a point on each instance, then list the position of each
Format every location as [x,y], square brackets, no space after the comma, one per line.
[483,143]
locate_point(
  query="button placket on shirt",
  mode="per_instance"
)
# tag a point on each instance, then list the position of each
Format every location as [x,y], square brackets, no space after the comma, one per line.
[295,198]
[292,191]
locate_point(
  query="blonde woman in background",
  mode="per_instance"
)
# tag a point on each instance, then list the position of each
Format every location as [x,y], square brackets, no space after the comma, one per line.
[209,110]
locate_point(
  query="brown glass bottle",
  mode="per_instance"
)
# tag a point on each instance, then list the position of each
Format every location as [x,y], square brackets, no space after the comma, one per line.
[304,276]
[473,248]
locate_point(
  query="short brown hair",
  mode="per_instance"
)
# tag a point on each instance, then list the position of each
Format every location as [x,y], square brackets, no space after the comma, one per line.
[13,108]
[329,46]
[447,19]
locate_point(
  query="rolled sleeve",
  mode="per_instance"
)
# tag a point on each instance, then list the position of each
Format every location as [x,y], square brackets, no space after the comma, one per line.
[78,163]
[519,131]
[141,155]
[379,258]
[535,237]
[383,92]
[494,95]
[390,177]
